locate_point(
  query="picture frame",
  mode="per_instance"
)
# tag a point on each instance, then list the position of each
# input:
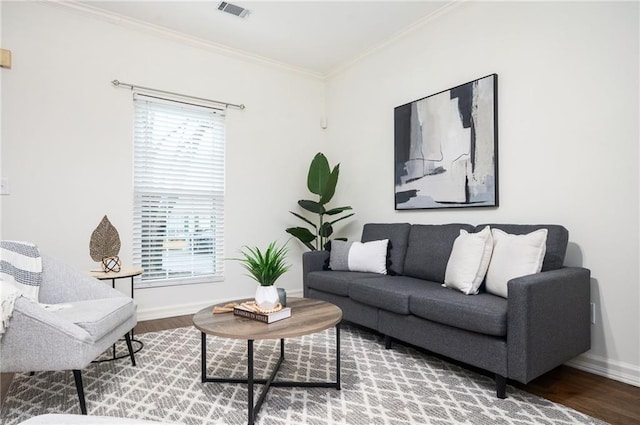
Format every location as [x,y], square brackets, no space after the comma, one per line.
[446,148]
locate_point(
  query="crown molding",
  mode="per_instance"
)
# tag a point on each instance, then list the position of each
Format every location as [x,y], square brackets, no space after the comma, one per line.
[139,25]
[136,24]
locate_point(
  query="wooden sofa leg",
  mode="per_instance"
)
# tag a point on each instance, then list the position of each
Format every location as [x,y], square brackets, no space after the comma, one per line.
[501,386]
[387,342]
[77,375]
[130,347]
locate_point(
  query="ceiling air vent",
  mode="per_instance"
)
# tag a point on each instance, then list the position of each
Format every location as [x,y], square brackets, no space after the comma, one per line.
[233,9]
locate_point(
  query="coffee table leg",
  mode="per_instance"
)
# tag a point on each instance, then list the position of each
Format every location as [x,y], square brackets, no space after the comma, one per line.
[250,379]
[252,409]
[203,351]
[338,356]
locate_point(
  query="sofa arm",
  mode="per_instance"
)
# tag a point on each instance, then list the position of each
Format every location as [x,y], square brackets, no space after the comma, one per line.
[312,261]
[548,320]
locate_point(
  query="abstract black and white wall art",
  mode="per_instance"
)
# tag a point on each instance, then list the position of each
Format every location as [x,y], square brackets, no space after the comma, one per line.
[446,148]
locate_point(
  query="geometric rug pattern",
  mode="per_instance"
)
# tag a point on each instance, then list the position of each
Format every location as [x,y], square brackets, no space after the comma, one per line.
[397,386]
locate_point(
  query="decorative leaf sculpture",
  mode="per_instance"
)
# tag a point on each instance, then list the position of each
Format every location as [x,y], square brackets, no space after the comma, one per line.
[105,241]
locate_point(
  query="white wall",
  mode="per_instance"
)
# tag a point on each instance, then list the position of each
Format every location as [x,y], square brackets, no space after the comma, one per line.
[67,140]
[568,137]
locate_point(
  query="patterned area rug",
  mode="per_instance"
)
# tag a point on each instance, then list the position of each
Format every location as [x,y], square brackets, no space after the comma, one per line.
[397,386]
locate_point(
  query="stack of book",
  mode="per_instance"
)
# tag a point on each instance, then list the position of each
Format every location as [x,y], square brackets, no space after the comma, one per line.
[249,312]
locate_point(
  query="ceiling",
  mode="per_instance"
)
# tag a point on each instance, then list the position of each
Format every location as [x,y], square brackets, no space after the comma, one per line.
[317,37]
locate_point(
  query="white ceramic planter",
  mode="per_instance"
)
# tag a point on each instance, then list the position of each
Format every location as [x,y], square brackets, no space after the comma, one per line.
[267,297]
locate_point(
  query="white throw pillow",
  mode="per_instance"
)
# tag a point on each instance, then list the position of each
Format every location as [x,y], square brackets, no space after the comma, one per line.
[369,256]
[514,256]
[469,261]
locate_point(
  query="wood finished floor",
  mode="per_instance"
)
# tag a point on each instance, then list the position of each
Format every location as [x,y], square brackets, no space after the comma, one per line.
[602,398]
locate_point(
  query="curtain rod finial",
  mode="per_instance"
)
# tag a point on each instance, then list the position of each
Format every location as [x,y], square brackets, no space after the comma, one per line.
[242,106]
[115,83]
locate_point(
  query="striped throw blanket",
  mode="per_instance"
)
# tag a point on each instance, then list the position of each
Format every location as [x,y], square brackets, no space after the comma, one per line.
[20,275]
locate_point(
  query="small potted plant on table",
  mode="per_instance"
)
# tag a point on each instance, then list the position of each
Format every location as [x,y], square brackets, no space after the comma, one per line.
[265,268]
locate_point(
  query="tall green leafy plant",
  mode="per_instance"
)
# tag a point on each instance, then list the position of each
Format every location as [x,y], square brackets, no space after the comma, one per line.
[321,181]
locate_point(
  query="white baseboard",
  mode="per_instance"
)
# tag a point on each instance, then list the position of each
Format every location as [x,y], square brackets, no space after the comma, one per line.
[612,369]
[191,308]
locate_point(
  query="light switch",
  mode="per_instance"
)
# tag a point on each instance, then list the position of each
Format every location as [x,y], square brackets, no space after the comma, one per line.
[5,58]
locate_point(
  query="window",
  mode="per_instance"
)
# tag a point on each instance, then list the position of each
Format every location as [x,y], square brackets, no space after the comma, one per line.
[178,192]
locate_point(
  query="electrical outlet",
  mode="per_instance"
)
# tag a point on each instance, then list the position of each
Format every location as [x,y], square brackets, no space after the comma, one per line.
[593,313]
[4,187]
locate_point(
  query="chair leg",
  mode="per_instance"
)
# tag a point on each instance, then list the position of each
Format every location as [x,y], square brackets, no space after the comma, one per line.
[77,375]
[127,338]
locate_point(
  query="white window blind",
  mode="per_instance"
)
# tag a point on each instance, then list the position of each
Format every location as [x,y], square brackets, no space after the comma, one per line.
[178,192]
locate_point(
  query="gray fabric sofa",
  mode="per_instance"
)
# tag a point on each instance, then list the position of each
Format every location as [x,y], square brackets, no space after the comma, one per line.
[544,322]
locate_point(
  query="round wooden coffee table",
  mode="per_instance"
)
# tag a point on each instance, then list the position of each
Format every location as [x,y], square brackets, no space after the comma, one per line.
[308,316]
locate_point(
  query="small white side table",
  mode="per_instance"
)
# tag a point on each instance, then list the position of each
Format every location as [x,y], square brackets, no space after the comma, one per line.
[124,273]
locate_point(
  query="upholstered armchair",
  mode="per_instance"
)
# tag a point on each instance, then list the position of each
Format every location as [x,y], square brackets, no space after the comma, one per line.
[94,317]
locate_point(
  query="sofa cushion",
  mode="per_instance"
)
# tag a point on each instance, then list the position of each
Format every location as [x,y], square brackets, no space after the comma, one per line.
[100,316]
[483,313]
[429,249]
[335,282]
[557,240]
[390,293]
[398,235]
